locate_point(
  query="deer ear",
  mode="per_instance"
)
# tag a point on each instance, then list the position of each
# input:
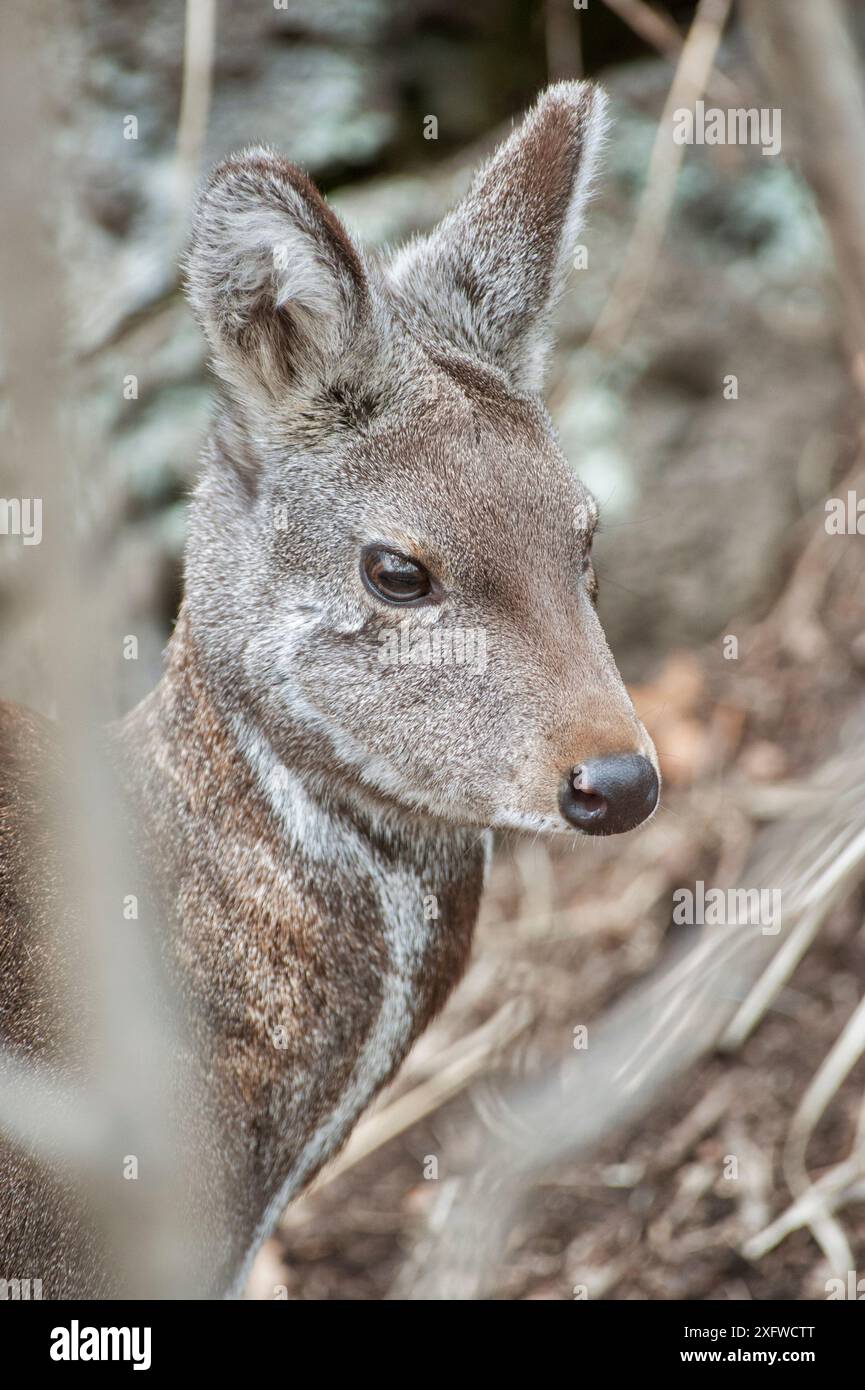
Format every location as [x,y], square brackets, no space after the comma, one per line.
[275,280]
[485,281]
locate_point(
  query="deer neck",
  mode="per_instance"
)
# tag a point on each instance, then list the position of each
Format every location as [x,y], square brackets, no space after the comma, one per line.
[313,933]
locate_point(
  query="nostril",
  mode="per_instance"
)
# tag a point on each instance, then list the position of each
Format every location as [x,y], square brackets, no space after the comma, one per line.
[583,796]
[591,803]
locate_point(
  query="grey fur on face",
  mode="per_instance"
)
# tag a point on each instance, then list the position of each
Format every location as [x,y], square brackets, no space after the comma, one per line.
[397,401]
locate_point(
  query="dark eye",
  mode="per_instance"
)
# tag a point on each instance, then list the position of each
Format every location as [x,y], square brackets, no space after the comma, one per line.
[394,577]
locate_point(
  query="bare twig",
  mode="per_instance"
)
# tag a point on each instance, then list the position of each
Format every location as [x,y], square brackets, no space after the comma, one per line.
[844,869]
[834,1069]
[843,1183]
[689,82]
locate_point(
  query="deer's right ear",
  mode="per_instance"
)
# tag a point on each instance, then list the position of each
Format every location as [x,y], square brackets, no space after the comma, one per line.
[276,282]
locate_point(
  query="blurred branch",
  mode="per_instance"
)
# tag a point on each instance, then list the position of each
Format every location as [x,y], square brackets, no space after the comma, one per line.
[41,1114]
[198,52]
[653,26]
[111,1089]
[810,59]
[564,46]
[689,82]
[796,614]
[660,32]
[844,868]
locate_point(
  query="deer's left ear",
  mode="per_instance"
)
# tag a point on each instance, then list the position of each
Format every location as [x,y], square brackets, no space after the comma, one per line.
[485,281]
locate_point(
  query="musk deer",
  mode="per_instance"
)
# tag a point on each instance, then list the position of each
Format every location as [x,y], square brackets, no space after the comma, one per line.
[313,808]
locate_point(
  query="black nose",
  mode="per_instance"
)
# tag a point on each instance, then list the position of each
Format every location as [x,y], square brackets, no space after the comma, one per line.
[608,795]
